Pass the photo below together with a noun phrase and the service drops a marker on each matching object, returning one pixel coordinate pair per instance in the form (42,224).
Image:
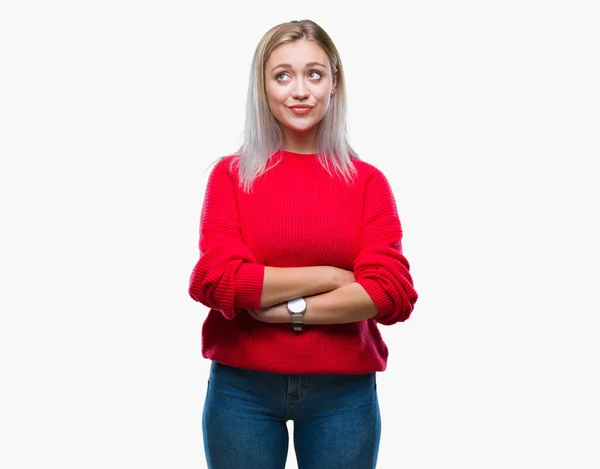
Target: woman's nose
(300,90)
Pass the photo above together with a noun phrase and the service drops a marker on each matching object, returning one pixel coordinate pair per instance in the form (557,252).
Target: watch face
(297,306)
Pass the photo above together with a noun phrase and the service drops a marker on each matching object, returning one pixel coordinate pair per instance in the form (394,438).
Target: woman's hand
(277,314)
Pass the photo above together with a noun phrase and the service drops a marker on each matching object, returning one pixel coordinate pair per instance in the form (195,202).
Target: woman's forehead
(297,54)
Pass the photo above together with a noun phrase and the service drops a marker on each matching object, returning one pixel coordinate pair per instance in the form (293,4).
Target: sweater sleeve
(380,266)
(226,276)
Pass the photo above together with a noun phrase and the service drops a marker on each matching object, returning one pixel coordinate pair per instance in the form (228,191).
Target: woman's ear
(334,82)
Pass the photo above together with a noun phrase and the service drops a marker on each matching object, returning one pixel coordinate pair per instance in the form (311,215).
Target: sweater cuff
(249,285)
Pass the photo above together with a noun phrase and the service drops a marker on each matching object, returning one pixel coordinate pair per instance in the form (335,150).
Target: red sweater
(298,215)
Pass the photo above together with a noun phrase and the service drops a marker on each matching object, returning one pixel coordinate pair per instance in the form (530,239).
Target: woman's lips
(301,109)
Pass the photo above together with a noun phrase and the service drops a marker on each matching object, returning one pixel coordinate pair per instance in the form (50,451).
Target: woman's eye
(282,77)
(315,75)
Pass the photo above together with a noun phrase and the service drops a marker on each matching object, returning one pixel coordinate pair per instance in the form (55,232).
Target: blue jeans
(336,420)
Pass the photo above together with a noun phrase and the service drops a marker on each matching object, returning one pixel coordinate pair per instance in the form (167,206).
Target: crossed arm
(332,295)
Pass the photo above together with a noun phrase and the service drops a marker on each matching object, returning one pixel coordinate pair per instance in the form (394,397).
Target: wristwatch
(297,308)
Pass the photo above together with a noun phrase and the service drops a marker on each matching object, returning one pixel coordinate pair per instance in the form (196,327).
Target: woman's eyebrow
(312,64)
(308,65)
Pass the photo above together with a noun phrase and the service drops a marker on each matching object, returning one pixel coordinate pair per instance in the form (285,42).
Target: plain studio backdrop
(483,115)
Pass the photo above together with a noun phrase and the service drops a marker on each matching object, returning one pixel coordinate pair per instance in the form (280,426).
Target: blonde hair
(262,134)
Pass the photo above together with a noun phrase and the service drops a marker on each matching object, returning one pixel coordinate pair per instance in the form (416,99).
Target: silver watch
(297,308)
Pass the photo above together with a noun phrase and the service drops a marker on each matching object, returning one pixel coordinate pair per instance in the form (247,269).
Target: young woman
(300,260)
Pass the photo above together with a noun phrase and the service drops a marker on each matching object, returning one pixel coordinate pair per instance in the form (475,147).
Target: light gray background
(484,116)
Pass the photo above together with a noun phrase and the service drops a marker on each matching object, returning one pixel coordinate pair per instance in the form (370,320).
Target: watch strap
(297,322)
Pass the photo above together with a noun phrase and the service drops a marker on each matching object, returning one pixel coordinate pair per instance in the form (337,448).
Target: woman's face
(298,84)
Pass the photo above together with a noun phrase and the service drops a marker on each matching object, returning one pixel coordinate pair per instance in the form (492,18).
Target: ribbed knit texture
(298,215)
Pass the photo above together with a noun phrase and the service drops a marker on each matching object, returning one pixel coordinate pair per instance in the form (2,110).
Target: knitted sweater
(297,214)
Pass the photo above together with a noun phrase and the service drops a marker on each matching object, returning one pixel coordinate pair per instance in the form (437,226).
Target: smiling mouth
(301,109)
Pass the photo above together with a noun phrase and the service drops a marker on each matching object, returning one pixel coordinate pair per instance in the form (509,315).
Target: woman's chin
(299,129)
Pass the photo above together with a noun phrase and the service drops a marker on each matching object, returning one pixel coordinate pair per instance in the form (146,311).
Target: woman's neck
(299,142)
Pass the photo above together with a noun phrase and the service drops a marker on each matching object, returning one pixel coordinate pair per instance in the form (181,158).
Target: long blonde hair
(262,134)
